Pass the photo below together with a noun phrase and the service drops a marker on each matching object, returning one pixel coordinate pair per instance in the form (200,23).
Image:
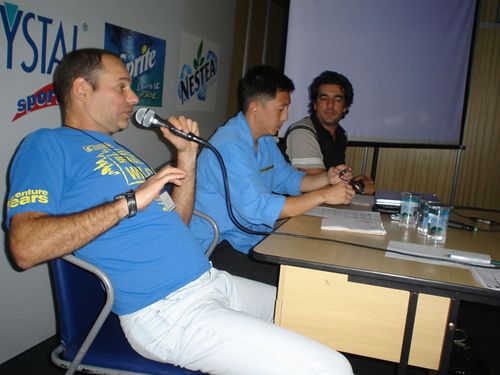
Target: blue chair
(91,337)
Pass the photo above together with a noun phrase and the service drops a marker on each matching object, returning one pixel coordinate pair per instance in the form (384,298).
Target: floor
(36,361)
(480,322)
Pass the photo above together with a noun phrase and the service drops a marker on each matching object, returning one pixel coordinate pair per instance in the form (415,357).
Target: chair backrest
(80,297)
(215,229)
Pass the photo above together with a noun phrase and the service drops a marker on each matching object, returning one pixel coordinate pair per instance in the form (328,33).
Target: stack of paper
(349,220)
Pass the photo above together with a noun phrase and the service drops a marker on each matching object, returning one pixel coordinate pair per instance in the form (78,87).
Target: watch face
(131,202)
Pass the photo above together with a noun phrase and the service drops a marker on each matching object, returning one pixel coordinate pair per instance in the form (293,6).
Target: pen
(484,221)
(467,259)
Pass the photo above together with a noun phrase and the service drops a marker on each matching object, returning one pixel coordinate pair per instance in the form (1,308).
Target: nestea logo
(195,82)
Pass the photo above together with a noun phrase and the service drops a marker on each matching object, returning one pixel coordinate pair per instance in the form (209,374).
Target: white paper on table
(349,220)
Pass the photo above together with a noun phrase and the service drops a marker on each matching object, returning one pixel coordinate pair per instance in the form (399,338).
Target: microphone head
(144,117)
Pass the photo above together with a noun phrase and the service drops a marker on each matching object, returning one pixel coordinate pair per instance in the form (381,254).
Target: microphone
(458,225)
(147,118)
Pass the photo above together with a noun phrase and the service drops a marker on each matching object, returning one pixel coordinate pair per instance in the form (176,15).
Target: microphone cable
(492,226)
(228,193)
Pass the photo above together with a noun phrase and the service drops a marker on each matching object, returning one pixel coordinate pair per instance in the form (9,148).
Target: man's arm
(369,184)
(35,237)
(341,193)
(183,195)
(312,171)
(303,149)
(311,182)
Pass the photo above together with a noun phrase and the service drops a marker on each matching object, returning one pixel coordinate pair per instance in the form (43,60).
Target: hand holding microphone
(182,144)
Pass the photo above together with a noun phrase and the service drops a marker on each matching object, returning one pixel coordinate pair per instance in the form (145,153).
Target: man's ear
(80,89)
(253,106)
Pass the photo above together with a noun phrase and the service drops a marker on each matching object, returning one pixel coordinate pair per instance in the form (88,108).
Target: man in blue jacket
(263,186)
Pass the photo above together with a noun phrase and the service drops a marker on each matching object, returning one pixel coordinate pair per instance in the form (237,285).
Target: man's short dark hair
(262,82)
(84,63)
(330,78)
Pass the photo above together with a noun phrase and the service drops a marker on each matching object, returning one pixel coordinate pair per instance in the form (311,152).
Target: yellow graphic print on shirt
(110,161)
(22,198)
(113,162)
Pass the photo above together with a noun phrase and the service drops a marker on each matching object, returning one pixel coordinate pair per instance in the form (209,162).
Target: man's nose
(284,116)
(133,98)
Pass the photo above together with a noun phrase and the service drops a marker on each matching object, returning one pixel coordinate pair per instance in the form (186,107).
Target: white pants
(221,324)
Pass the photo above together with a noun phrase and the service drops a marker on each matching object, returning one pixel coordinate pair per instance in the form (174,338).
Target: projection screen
(408,61)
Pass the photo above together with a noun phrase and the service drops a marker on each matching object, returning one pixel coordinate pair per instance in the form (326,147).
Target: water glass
(423,216)
(437,225)
(408,211)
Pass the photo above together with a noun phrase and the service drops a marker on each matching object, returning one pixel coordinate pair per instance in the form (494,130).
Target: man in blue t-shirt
(263,186)
(74,189)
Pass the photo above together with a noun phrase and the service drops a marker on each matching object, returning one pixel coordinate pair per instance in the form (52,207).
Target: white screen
(406,59)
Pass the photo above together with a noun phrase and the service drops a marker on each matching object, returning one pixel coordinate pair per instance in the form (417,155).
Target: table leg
(448,337)
(410,322)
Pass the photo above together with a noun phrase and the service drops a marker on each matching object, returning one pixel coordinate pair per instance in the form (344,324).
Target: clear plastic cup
(423,216)
(437,225)
(408,212)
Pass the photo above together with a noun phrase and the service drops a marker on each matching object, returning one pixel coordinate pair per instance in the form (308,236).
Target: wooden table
(341,289)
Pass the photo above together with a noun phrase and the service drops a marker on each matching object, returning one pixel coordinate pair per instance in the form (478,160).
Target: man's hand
(153,186)
(339,173)
(185,125)
(186,161)
(339,193)
(369,188)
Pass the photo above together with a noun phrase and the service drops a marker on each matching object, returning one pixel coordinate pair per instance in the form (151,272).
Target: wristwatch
(131,202)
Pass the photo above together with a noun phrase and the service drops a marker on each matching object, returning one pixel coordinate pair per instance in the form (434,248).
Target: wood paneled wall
(267,21)
(479,180)
(410,169)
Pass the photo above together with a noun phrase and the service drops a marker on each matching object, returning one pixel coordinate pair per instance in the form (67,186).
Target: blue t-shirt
(63,171)
(257,178)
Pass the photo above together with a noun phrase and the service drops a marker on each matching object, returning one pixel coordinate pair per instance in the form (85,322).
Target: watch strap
(131,202)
